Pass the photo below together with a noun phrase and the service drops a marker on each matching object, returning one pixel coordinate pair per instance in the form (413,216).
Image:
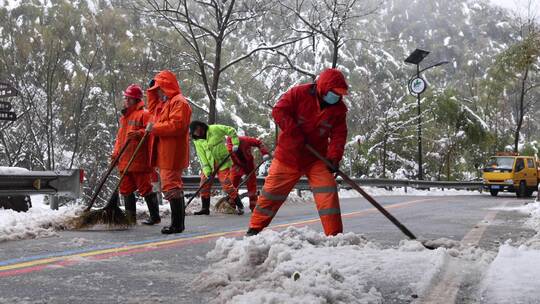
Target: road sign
(5,106)
(6,90)
(11,116)
(417,85)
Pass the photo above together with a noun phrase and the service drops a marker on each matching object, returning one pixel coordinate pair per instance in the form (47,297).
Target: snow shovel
(210,179)
(368,197)
(111,214)
(226,198)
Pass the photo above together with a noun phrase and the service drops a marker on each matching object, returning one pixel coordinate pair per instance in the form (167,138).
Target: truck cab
(511,173)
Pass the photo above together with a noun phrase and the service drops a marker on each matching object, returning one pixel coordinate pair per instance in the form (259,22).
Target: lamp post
(417,85)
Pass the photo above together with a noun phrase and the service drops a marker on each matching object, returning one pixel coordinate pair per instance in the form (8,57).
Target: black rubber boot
(178,215)
(131,208)
(252,232)
(205,210)
(239,205)
(153,208)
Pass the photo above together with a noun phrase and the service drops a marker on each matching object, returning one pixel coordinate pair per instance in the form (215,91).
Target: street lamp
(417,85)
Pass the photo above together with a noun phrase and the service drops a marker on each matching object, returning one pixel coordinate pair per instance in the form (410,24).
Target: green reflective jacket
(212,150)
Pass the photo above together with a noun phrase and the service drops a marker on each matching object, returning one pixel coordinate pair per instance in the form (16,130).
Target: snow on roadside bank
(38,221)
(375,191)
(299,265)
(513,275)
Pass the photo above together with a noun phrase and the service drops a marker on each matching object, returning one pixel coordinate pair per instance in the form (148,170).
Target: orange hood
(166,80)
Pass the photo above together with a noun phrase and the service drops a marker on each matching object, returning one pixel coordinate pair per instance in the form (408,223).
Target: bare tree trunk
(521,110)
(78,114)
(384,157)
(216,73)
(335,53)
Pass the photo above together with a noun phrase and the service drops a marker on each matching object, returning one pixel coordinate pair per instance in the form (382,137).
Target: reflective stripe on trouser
(136,181)
(280,181)
(224,177)
(277,185)
(324,188)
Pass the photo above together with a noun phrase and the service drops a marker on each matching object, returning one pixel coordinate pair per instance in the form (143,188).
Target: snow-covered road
(493,256)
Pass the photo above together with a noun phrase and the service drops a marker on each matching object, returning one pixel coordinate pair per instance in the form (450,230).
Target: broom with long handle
(111,214)
(243,182)
(210,179)
(105,176)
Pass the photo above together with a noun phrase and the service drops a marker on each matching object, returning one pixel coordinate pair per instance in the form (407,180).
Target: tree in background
(209,29)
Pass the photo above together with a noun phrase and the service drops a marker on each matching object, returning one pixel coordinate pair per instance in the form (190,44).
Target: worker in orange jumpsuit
(135,118)
(169,142)
(313,114)
(244,164)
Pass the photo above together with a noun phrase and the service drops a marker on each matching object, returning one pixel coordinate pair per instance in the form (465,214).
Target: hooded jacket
(170,134)
(212,149)
(133,118)
(244,157)
(302,120)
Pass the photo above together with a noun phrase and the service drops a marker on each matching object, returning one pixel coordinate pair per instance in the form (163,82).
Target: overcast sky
(513,4)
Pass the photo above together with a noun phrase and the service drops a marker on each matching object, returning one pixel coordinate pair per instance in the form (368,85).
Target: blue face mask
(331,97)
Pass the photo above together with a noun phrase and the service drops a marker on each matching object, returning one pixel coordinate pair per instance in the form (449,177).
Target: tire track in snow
(446,290)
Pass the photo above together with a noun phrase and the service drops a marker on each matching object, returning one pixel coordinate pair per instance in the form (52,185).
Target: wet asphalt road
(163,272)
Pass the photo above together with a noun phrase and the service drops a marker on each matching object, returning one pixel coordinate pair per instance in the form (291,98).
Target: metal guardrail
(62,183)
(191,183)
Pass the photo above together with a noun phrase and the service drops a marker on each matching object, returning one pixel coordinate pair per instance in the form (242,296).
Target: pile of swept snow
(304,266)
(38,221)
(513,277)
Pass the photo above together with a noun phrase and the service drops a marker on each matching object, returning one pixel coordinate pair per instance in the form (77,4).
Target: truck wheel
(493,192)
(522,190)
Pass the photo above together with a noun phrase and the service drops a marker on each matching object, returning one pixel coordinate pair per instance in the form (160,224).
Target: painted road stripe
(446,291)
(36,263)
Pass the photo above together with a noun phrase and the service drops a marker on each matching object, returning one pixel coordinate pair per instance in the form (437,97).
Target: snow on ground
(375,191)
(38,221)
(299,265)
(513,275)
(41,221)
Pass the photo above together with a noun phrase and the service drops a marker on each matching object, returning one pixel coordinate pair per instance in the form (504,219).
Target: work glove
(135,135)
(335,165)
(266,157)
(149,127)
(235,148)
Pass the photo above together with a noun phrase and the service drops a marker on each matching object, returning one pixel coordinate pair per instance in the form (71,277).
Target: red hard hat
(134,91)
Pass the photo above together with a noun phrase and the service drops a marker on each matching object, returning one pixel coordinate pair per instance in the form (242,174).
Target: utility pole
(417,85)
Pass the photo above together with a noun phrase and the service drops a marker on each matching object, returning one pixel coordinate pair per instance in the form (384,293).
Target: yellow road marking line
(206,236)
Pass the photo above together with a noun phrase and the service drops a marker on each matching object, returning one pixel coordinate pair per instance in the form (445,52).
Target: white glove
(235,148)
(266,157)
(149,127)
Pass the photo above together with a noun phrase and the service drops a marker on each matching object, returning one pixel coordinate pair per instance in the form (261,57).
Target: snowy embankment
(513,277)
(38,221)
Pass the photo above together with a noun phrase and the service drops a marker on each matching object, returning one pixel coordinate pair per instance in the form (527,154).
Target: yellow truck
(512,173)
